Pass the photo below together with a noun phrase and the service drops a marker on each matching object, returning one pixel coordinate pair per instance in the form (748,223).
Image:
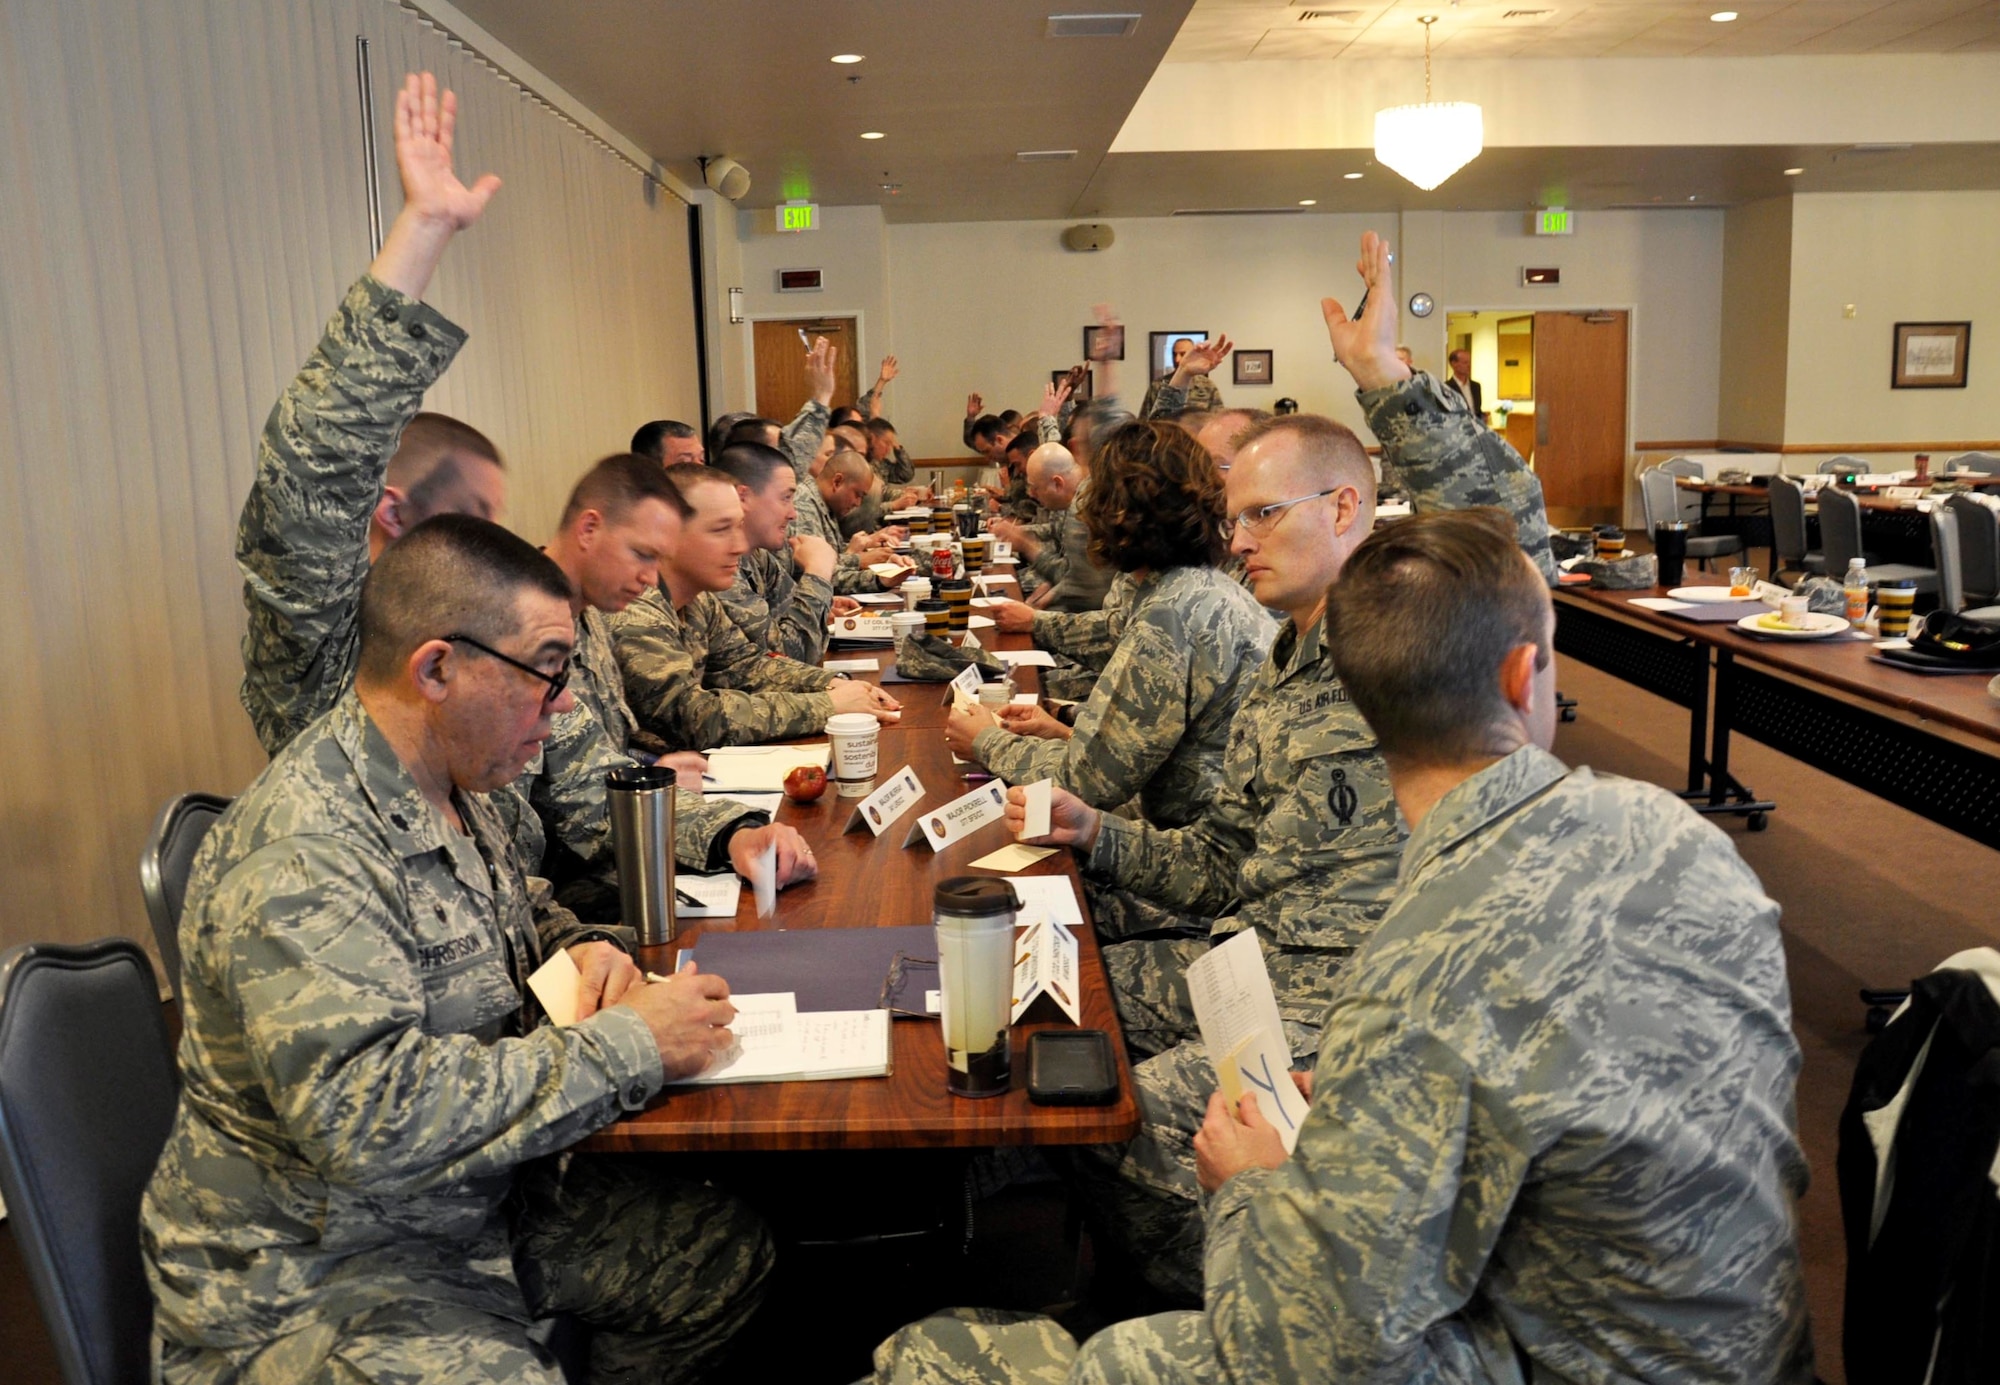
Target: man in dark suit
(1461,380)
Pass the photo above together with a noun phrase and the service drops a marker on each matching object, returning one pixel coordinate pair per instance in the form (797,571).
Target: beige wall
(1756,321)
(1901,257)
(851,251)
(183,207)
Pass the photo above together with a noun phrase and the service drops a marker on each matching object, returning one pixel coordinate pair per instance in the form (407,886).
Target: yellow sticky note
(558,985)
(1009,859)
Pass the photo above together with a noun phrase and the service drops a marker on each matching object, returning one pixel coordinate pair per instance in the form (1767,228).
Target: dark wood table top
(1958,702)
(867,882)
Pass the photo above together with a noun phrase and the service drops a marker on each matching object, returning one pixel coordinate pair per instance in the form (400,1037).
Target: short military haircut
(851,436)
(880,427)
(718,431)
(846,413)
(1424,613)
(429,454)
(617,483)
(847,465)
(1022,443)
(752,464)
(450,575)
(690,477)
(749,429)
(651,439)
(1010,415)
(987,426)
(1330,449)
(1155,500)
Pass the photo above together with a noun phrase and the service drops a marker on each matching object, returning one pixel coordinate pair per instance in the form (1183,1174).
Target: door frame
(1631,311)
(862,379)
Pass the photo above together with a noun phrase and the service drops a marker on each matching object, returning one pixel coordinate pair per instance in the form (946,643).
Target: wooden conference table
(867,882)
(1929,743)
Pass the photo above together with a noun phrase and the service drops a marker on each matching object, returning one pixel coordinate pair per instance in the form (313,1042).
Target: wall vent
(1044,156)
(1092,25)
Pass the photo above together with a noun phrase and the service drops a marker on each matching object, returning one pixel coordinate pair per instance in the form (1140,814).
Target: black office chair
(1788,529)
(87,1094)
(164,863)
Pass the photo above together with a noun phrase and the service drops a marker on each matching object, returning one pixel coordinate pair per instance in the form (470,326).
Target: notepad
(718,895)
(760,768)
(776,1043)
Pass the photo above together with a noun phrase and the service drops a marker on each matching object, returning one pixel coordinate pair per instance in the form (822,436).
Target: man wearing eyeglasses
(368,1176)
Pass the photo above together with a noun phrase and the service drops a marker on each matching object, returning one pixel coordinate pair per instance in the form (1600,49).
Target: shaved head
(849,468)
(451,575)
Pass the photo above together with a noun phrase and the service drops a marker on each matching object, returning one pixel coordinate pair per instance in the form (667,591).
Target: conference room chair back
(1840,541)
(1975,461)
(1950,561)
(164,863)
(1978,546)
(1788,527)
(1662,500)
(1835,466)
(87,1094)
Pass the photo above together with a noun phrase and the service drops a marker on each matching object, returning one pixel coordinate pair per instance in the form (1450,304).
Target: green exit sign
(798,216)
(1555,221)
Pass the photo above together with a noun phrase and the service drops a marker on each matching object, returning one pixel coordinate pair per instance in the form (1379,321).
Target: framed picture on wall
(1160,350)
(1252,367)
(1104,343)
(1084,391)
(1930,355)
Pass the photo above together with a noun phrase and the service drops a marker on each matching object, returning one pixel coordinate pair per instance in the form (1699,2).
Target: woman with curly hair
(1157,723)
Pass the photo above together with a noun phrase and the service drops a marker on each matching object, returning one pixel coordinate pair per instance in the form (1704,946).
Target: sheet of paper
(774,1043)
(764,881)
(1009,859)
(1040,802)
(843,1041)
(1025,658)
(961,817)
(1264,1069)
(718,894)
(759,768)
(557,984)
(1662,603)
(1047,899)
(852,666)
(894,599)
(1231,991)
(1027,700)
(886,570)
(765,1028)
(762,801)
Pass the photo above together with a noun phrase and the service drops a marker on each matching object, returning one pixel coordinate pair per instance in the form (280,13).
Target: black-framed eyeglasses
(557,681)
(1265,518)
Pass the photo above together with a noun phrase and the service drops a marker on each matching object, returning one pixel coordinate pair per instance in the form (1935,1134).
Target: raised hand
(1367,346)
(1054,396)
(436,205)
(888,372)
(974,405)
(1103,346)
(820,361)
(1203,357)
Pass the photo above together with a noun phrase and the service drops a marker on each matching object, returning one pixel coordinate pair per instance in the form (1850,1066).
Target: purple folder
(824,968)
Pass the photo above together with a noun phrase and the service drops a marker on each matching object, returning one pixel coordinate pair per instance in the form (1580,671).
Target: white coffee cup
(903,624)
(915,589)
(1792,611)
(856,737)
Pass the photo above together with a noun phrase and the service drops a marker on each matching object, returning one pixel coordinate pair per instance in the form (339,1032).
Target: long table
(1929,743)
(866,882)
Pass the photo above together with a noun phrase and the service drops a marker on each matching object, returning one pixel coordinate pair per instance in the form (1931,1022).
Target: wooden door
(781,363)
(1580,451)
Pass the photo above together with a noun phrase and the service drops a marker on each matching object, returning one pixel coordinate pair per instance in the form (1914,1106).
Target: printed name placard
(961,817)
(1001,549)
(887,803)
(965,687)
(861,628)
(1045,967)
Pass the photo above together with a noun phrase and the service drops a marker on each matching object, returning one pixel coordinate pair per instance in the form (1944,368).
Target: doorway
(780,362)
(1554,386)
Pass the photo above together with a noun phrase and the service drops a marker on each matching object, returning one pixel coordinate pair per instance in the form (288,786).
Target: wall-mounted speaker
(1088,236)
(725,176)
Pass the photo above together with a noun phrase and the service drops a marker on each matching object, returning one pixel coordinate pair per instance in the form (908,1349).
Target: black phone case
(1071,1067)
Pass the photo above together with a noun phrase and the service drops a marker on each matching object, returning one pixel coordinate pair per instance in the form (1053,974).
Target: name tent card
(965,686)
(961,817)
(895,798)
(1045,969)
(862,628)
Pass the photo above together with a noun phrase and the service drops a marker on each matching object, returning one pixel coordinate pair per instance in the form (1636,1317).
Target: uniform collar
(1295,653)
(412,825)
(1487,796)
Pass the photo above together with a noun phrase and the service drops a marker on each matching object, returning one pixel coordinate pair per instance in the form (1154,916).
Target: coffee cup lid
(850,724)
(976,896)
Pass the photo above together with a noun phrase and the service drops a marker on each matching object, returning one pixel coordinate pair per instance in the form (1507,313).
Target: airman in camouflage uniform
(366,1165)
(1163,396)
(800,440)
(1551,1134)
(1156,725)
(1082,641)
(776,611)
(695,681)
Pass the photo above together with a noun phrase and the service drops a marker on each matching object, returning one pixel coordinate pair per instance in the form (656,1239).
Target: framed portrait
(1930,355)
(1085,390)
(1160,350)
(1110,339)
(1252,367)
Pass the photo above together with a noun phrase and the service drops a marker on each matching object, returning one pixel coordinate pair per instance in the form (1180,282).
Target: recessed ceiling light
(1723,16)
(848,57)
(1692,197)
(1350,177)
(1308,201)
(872,134)
(1793,172)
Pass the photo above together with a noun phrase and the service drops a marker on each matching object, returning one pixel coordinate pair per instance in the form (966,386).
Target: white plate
(1817,627)
(1714,594)
(979,622)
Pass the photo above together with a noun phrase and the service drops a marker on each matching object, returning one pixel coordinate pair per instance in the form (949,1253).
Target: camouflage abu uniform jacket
(1163,397)
(800,440)
(1158,721)
(1552,1116)
(302,544)
(777,612)
(362,1069)
(694,680)
(1082,583)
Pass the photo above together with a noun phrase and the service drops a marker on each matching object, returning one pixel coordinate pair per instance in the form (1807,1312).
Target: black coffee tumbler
(1670,547)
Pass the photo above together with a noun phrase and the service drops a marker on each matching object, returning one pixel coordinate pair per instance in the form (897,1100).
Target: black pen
(684,897)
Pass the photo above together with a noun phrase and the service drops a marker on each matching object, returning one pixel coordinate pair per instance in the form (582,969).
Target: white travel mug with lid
(974,915)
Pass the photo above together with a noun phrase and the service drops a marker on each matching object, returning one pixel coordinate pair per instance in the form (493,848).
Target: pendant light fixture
(1428,143)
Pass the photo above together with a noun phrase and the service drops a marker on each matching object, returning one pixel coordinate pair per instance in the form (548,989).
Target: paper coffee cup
(915,589)
(856,737)
(903,624)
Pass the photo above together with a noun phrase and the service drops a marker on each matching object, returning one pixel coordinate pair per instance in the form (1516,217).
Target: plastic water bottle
(1855,585)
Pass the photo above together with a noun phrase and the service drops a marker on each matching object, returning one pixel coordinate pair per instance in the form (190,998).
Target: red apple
(806,783)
